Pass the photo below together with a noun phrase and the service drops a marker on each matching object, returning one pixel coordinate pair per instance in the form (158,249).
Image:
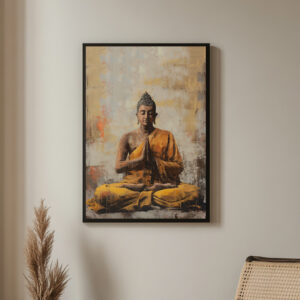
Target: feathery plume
(44,282)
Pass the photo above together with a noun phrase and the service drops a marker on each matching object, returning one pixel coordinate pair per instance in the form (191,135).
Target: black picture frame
(206,205)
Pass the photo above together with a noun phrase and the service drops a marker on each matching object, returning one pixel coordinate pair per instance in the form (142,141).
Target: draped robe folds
(131,193)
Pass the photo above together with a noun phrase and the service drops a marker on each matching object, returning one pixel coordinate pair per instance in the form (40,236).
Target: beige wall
(255,145)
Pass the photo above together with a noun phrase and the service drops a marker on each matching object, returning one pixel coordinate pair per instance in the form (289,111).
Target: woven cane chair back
(269,279)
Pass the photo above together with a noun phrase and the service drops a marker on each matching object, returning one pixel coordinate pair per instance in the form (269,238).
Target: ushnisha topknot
(146,100)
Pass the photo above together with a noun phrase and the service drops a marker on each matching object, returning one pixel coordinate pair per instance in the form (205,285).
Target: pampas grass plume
(45,281)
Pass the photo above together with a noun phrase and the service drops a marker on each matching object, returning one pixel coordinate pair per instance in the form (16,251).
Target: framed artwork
(146,132)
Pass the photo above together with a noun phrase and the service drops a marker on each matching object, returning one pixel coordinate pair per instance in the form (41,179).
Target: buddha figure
(151,163)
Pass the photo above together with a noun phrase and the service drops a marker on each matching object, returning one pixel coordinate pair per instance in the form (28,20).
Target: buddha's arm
(170,164)
(123,165)
(169,167)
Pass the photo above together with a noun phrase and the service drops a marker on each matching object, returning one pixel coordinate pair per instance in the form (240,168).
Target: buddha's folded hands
(160,186)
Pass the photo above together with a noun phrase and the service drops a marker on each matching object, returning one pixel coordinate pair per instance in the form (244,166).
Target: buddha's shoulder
(163,132)
(129,135)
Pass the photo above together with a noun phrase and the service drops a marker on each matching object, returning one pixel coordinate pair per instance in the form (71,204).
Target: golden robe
(165,168)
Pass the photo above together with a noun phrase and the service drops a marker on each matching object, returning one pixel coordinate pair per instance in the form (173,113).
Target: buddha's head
(146,110)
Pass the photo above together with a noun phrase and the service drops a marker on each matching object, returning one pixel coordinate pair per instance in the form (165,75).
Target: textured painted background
(116,77)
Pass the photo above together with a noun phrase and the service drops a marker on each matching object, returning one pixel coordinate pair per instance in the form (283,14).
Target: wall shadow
(12,149)
(215,135)
(96,271)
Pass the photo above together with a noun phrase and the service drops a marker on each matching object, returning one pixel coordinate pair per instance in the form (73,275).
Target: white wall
(255,145)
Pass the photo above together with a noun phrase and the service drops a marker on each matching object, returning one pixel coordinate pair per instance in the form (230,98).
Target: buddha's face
(146,115)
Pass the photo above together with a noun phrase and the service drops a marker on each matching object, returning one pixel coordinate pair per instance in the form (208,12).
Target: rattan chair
(265,278)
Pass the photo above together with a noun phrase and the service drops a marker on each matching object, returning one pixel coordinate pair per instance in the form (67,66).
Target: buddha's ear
(155,117)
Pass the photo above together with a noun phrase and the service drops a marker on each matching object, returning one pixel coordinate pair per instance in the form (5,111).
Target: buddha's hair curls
(146,100)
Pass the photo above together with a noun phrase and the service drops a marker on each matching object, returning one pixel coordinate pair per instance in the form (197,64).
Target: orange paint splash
(94,173)
(102,121)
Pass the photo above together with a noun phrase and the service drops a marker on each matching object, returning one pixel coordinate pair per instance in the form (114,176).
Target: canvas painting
(146,132)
